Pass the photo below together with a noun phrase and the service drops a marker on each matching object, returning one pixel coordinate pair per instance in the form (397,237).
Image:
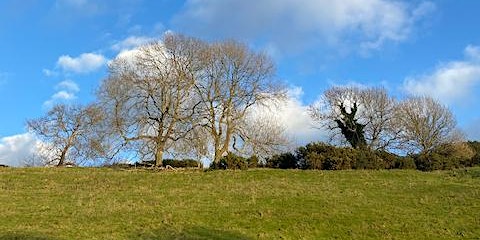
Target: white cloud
(293,115)
(68,85)
(290,24)
(14,150)
(85,63)
(49,73)
(63,95)
(472,52)
(131,42)
(451,82)
(66,91)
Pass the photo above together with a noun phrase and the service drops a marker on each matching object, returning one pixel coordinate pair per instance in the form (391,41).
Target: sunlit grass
(91,203)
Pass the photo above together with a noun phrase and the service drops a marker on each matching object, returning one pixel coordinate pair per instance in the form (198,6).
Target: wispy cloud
(85,63)
(452,82)
(68,85)
(49,73)
(66,91)
(131,42)
(291,25)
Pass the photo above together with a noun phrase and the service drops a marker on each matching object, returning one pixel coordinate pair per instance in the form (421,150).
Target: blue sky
(57,51)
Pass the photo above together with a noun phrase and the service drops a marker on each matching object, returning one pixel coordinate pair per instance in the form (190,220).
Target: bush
(253,162)
(184,163)
(327,157)
(230,161)
(390,160)
(446,157)
(366,159)
(284,161)
(434,161)
(475,147)
(405,163)
(323,156)
(313,160)
(430,162)
(336,163)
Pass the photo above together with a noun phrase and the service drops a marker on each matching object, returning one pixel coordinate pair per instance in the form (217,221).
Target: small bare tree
(425,123)
(66,131)
(263,135)
(149,96)
(233,80)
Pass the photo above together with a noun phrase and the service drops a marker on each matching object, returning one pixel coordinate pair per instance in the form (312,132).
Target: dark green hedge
(322,156)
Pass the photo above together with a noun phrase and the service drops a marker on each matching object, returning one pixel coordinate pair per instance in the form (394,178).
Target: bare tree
(66,132)
(264,135)
(232,80)
(378,111)
(149,96)
(425,123)
(364,117)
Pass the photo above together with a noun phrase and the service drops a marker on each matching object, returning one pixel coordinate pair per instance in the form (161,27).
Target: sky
(57,51)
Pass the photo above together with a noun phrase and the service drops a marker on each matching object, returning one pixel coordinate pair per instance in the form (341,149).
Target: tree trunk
(61,161)
(218,156)
(159,157)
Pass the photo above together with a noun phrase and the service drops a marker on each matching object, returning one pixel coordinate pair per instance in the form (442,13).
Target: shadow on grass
(22,236)
(191,233)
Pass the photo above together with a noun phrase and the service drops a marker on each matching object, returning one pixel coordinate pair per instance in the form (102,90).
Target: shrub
(184,163)
(429,162)
(284,161)
(366,159)
(336,163)
(475,147)
(327,157)
(231,161)
(322,156)
(407,162)
(390,160)
(253,162)
(446,157)
(313,160)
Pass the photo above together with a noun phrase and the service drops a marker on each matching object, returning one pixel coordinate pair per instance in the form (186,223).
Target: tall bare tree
(233,80)
(67,133)
(364,117)
(425,123)
(149,96)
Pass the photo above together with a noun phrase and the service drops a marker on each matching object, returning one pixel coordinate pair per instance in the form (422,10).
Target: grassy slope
(265,204)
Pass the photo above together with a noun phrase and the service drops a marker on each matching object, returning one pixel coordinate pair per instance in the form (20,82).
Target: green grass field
(90,203)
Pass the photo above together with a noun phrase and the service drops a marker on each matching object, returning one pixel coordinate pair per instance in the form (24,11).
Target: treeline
(322,156)
(180,96)
(203,100)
